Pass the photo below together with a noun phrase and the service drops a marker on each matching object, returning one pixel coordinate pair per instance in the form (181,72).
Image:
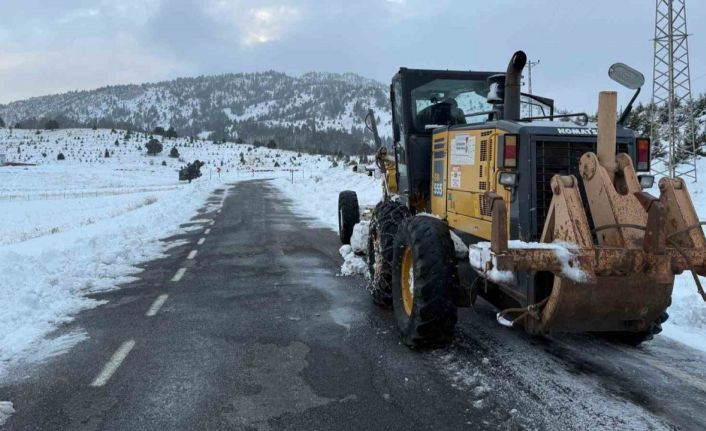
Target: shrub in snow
(60,156)
(174,153)
(191,171)
(106,154)
(154,147)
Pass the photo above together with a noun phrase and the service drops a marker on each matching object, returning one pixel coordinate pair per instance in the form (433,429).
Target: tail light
(507,151)
(642,162)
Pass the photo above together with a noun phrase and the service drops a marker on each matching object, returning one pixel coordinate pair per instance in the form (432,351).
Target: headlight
(646,181)
(508,179)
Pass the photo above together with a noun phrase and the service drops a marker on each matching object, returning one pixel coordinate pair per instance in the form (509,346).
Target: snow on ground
(6,410)
(79,226)
(314,192)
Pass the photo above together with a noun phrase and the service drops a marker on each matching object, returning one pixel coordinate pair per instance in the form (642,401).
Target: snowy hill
(317,111)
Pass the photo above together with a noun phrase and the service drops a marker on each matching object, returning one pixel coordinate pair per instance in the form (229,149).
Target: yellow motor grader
(487,191)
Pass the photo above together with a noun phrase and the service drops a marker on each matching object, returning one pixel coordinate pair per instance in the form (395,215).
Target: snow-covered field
(79,226)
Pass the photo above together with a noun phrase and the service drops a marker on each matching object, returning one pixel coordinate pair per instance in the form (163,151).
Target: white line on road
(192,254)
(218,212)
(113,364)
(207,231)
(201,241)
(213,222)
(156,305)
(180,273)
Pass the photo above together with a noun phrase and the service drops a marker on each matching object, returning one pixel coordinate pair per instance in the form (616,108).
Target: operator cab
(424,100)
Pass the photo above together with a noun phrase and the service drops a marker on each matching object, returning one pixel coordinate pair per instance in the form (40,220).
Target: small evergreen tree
(106,154)
(191,171)
(174,153)
(154,147)
(60,157)
(171,133)
(158,131)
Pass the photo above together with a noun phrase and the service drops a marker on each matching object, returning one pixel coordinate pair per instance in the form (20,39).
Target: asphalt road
(255,330)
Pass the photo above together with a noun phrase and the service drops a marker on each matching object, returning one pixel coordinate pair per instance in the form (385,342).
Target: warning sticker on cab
(455,177)
(463,150)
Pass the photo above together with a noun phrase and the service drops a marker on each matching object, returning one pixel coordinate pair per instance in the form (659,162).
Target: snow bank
(352,263)
(359,238)
(6,410)
(44,280)
(314,191)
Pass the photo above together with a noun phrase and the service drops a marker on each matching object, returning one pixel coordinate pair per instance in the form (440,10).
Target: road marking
(218,212)
(207,231)
(201,241)
(192,254)
(180,273)
(113,364)
(156,305)
(213,222)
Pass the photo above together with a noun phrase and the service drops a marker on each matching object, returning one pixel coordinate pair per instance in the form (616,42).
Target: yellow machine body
(463,171)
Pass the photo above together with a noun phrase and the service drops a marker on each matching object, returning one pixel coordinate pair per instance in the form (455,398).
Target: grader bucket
(616,277)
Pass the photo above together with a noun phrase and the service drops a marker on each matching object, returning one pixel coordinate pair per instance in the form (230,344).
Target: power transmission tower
(530,65)
(671,92)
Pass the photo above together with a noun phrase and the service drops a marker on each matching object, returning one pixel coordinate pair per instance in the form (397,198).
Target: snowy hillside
(248,106)
(81,225)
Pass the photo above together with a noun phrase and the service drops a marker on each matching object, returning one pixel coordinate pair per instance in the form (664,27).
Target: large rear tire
(424,280)
(348,215)
(383,227)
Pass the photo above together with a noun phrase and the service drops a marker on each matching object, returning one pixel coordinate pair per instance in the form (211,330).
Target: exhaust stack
(513,84)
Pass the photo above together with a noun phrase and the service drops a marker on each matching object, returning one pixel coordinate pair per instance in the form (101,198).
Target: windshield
(531,107)
(444,102)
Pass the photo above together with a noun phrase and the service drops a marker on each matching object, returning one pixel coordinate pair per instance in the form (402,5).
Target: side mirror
(369,118)
(626,76)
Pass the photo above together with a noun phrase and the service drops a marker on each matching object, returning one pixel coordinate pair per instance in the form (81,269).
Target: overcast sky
(49,46)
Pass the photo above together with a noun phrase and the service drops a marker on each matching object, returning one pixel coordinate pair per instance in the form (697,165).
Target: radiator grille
(484,205)
(484,150)
(559,158)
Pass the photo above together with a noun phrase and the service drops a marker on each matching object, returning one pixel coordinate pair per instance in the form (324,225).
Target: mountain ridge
(318,111)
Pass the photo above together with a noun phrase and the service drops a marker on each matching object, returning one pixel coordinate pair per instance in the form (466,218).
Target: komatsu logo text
(581,132)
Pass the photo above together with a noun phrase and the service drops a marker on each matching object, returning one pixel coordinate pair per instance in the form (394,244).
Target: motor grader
(488,192)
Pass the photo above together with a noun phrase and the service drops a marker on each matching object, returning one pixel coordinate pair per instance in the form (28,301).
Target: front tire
(383,227)
(424,280)
(348,215)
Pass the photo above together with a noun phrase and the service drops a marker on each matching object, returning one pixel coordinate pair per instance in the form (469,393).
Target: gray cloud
(48,46)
